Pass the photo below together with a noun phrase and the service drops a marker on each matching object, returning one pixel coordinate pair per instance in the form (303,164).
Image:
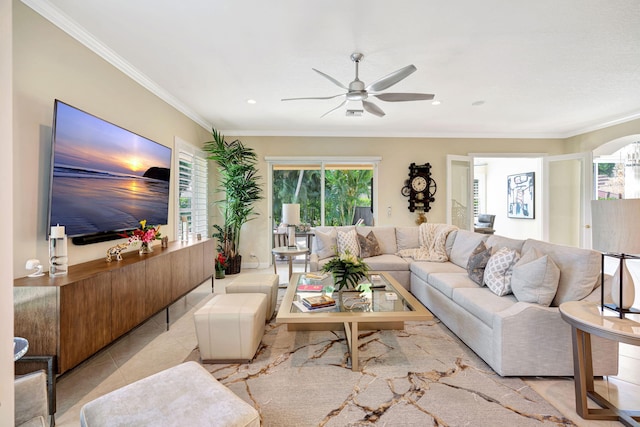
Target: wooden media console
(74,316)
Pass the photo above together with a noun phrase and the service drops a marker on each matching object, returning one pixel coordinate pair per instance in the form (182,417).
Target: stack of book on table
(313,303)
(312,282)
(319,301)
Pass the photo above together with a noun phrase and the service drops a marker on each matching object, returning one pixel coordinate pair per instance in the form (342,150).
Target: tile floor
(150,348)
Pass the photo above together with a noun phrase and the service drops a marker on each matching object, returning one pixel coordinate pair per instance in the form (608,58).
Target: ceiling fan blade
(372,108)
(398,97)
(334,109)
(391,79)
(328,77)
(315,97)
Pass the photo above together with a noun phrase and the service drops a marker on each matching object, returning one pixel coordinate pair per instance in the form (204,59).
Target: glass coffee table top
(382,297)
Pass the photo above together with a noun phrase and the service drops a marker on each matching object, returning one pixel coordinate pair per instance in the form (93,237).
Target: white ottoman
(230,327)
(261,283)
(185,395)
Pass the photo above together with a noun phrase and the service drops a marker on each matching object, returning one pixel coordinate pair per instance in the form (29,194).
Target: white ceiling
(545,68)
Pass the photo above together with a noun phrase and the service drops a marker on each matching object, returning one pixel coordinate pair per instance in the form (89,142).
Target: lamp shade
(291,213)
(616,226)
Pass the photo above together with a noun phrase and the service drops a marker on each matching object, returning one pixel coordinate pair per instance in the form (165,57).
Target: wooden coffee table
(382,313)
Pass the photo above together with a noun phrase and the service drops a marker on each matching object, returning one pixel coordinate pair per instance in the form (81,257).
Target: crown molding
(54,15)
(603,125)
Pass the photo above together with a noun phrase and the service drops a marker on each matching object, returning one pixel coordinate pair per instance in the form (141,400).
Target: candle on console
(57,231)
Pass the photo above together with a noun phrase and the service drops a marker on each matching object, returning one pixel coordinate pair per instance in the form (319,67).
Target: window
(331,191)
(191,188)
(476,198)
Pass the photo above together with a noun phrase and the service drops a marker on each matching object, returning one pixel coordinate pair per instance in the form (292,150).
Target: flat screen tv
(104,179)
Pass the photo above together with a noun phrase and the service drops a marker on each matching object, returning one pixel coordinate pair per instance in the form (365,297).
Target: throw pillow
(535,279)
(348,241)
(497,274)
(326,243)
(477,262)
(368,245)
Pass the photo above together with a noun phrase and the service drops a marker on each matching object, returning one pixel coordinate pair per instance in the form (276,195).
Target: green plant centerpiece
(240,183)
(347,270)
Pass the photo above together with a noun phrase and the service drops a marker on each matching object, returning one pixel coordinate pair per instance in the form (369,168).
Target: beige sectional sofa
(515,337)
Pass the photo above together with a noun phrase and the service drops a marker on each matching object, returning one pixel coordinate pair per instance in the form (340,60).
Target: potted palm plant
(239,181)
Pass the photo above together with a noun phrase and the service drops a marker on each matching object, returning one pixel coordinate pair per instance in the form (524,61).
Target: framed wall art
(521,190)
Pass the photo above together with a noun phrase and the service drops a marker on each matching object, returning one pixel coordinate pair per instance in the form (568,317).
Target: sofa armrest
(522,329)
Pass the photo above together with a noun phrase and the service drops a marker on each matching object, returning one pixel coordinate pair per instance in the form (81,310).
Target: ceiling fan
(358,92)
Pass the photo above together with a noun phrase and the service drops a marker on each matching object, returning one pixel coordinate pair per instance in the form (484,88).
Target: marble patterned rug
(421,376)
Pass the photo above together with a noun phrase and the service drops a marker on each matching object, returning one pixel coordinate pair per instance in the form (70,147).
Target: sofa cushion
(466,241)
(497,274)
(477,263)
(386,262)
(407,238)
(448,282)
(423,269)
(348,242)
(482,303)
(368,245)
(326,242)
(579,269)
(498,242)
(386,237)
(535,278)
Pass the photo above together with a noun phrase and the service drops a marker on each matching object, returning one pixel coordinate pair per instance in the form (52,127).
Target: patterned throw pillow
(368,245)
(477,262)
(348,241)
(497,273)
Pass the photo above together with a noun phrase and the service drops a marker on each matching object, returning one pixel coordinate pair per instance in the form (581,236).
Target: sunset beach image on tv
(105,178)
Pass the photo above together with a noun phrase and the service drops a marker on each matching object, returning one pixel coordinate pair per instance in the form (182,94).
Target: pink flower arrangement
(145,233)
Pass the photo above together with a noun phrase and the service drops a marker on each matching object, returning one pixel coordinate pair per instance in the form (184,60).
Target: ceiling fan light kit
(358,92)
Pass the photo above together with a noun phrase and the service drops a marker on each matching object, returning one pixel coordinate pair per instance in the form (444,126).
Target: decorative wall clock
(419,188)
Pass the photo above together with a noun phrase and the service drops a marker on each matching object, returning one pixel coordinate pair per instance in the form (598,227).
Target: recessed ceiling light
(251,101)
(477,103)
(436,103)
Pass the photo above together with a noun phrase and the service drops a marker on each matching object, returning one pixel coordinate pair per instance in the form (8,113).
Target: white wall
(496,172)
(6,217)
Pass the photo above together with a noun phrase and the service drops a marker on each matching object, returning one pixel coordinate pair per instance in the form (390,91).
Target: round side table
(586,319)
(289,252)
(20,347)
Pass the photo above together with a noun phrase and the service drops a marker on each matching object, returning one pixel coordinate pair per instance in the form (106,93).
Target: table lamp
(291,217)
(616,232)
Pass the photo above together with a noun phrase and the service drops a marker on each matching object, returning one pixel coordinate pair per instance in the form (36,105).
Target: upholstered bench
(230,327)
(261,283)
(185,395)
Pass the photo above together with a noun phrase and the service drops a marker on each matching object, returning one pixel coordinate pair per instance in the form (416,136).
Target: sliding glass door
(298,183)
(329,192)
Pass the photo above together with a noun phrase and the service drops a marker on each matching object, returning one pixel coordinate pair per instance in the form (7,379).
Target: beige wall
(49,64)
(6,218)
(396,153)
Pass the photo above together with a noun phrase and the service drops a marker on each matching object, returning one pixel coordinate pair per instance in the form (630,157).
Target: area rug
(421,376)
